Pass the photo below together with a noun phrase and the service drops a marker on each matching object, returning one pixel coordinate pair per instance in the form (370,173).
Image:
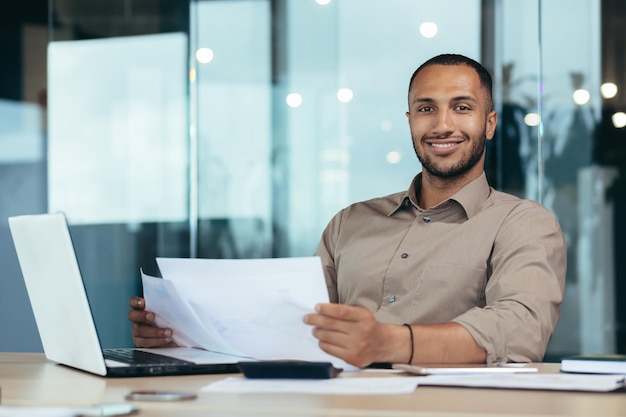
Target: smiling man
(449,271)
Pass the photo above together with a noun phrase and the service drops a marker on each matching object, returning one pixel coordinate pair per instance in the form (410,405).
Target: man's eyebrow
(454,99)
(423,100)
(465,98)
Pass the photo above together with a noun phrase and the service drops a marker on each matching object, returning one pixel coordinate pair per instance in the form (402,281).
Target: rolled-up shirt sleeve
(524,290)
(325,251)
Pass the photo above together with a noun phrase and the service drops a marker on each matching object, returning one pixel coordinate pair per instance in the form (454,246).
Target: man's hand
(145,332)
(353,334)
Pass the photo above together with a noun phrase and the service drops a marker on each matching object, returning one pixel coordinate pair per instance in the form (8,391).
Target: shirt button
(427,219)
(404,255)
(391,298)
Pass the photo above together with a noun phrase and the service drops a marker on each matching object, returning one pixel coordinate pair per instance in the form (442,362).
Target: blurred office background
(237,128)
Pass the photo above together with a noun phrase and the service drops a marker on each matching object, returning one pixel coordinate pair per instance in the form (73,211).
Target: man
(450,271)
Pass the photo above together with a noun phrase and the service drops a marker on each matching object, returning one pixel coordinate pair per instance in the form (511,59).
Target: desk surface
(28,379)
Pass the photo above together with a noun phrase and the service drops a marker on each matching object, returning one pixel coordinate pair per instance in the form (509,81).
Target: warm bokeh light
(294,100)
(581,96)
(344,95)
(428,29)
(608,90)
(619,119)
(532,119)
(393,157)
(204,55)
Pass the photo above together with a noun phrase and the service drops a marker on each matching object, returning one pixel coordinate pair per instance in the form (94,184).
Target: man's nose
(444,122)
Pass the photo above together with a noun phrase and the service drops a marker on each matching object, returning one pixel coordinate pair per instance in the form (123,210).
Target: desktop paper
(249,307)
(344,385)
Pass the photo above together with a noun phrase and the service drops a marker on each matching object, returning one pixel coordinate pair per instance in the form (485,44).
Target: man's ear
(490,127)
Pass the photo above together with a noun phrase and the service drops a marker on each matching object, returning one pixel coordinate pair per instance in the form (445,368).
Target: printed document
(251,308)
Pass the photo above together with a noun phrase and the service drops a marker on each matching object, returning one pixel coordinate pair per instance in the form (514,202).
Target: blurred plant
(509,84)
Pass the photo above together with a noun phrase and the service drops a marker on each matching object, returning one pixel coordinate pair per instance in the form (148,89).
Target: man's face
(450,121)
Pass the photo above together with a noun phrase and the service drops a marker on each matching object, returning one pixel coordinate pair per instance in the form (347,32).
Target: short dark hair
(456,59)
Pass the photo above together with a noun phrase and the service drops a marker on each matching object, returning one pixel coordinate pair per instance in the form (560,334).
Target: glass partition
(296,123)
(233,80)
(118,144)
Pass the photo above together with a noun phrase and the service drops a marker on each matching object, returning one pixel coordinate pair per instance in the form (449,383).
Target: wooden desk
(28,379)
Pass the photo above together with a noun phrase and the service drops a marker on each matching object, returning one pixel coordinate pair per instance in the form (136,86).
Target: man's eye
(425,109)
(462,108)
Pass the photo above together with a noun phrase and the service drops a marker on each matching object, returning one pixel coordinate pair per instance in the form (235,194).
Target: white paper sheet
(96,410)
(467,369)
(250,307)
(175,312)
(26,411)
(344,385)
(202,268)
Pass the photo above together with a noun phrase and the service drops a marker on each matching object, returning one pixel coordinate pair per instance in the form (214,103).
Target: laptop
(63,316)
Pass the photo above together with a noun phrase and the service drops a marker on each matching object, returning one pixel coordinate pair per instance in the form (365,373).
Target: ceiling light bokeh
(293,100)
(204,55)
(345,95)
(532,119)
(619,119)
(393,157)
(581,96)
(608,90)
(428,29)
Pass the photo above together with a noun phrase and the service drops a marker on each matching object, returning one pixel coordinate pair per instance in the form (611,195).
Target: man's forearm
(435,343)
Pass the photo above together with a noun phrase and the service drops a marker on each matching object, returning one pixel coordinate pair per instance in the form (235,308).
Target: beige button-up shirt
(487,260)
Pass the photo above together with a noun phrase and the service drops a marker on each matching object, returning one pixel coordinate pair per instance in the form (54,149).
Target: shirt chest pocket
(444,291)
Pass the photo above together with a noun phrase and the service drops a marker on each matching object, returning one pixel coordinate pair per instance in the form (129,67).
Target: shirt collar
(471,197)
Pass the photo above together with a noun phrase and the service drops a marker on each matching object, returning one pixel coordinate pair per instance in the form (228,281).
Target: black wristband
(408,326)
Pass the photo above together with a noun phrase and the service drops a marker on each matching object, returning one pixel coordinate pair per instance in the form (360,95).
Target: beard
(457,170)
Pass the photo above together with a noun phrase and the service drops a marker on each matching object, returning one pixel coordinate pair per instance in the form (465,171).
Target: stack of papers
(539,381)
(250,308)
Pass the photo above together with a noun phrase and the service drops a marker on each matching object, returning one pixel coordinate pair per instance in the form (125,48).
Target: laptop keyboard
(140,357)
